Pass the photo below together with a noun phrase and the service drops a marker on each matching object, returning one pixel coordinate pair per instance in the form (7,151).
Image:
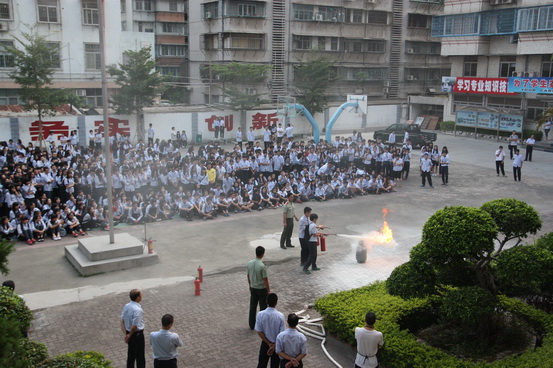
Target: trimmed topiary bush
(447,126)
(78,359)
(13,307)
(35,352)
(343,311)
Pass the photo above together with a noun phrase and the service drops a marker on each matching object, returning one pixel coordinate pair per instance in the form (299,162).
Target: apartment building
(498,39)
(381,48)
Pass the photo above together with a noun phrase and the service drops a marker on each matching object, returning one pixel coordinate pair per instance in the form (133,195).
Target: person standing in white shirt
(547,128)
(269,323)
(251,137)
(444,167)
(500,161)
(513,143)
(529,148)
(369,341)
(426,167)
(517,165)
(165,343)
(289,131)
(151,134)
(239,137)
(132,325)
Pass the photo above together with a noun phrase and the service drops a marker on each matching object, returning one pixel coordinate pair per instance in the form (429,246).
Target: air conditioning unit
(4,27)
(81,92)
(319,17)
(410,77)
(371,1)
(208,15)
(410,51)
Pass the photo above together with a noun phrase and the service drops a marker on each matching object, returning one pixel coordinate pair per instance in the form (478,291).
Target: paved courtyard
(76,313)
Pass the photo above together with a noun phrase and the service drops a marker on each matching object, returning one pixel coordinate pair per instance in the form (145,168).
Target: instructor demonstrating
(288,217)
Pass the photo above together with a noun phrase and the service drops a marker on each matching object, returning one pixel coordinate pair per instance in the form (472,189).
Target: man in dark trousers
(258,282)
(288,217)
(165,343)
(269,324)
(291,345)
(132,325)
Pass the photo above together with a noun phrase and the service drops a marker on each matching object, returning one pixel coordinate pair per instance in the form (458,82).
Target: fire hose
(315,334)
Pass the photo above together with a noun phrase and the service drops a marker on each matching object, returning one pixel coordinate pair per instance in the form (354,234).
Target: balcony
(171,17)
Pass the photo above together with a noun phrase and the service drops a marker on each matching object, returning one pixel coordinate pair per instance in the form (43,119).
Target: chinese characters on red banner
(497,86)
(260,121)
(115,126)
(56,127)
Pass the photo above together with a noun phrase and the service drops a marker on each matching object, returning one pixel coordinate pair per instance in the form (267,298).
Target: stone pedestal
(96,255)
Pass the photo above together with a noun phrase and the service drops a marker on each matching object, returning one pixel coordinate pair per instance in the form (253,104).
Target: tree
(312,80)
(235,77)
(6,248)
(139,84)
(34,65)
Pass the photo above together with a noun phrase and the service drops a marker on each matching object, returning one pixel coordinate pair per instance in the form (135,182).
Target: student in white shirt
(239,137)
(500,161)
(426,167)
(444,167)
(529,148)
(517,165)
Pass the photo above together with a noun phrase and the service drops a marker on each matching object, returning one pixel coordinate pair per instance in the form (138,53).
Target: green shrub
(343,311)
(538,134)
(12,306)
(545,241)
(35,352)
(78,359)
(447,126)
(6,248)
(460,304)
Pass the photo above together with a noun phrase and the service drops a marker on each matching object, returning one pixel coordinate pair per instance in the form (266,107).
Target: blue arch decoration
(335,117)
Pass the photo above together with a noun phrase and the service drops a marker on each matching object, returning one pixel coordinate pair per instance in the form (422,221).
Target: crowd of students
(62,190)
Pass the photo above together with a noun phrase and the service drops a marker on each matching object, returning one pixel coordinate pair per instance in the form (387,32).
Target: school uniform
(426,167)
(517,166)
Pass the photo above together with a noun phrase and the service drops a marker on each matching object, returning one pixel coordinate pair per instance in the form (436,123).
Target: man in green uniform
(259,284)
(288,217)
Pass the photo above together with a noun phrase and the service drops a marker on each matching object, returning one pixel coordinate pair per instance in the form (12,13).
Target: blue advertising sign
(530,85)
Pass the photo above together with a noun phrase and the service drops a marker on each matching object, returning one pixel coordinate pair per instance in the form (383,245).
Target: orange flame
(385,235)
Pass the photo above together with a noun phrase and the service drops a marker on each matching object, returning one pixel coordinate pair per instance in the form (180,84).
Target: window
(123,25)
(377,47)
(145,5)
(363,74)
(330,13)
(5,9)
(92,55)
(334,44)
(303,12)
(353,45)
(145,27)
(56,54)
(6,60)
(354,15)
(210,42)
(302,42)
(169,70)
(94,96)
(246,10)
(247,41)
(123,6)
(172,28)
(547,67)
(171,50)
(321,43)
(90,12)
(535,19)
(470,66)
(535,109)
(48,11)
(173,6)
(211,10)
(507,66)
(377,17)
(417,21)
(504,102)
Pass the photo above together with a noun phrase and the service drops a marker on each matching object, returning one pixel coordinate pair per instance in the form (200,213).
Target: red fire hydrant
(323,244)
(197,291)
(150,246)
(201,273)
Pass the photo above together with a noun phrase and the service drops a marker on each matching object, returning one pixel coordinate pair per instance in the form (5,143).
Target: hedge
(78,359)
(13,307)
(343,311)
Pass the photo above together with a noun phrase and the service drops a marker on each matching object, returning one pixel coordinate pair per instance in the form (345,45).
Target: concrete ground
(76,313)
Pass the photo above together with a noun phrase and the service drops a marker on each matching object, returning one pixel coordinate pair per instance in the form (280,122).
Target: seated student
(39,228)
(276,198)
(388,185)
(208,211)
(151,211)
(54,226)
(185,209)
(25,230)
(344,190)
(246,204)
(371,186)
(164,210)
(305,192)
(119,213)
(73,226)
(265,198)
(135,216)
(320,193)
(379,182)
(221,204)
(353,188)
(258,203)
(6,229)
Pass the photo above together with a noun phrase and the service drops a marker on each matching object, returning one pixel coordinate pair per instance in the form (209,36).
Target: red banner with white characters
(498,86)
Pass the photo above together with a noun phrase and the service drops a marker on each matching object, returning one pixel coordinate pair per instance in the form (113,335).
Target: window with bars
(302,42)
(92,56)
(169,70)
(246,41)
(144,5)
(354,15)
(248,10)
(303,12)
(353,45)
(507,66)
(418,21)
(48,11)
(175,28)
(90,12)
(377,47)
(334,44)
(547,67)
(5,9)
(6,60)
(171,50)
(55,56)
(504,102)
(363,74)
(321,43)
(377,17)
(173,6)
(535,19)
(211,10)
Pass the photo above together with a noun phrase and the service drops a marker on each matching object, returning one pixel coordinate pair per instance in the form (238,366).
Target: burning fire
(383,237)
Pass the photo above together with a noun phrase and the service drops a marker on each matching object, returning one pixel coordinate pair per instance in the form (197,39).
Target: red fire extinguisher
(197,289)
(150,246)
(201,273)
(323,244)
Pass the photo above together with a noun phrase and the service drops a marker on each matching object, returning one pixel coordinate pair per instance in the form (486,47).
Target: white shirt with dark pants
(164,345)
